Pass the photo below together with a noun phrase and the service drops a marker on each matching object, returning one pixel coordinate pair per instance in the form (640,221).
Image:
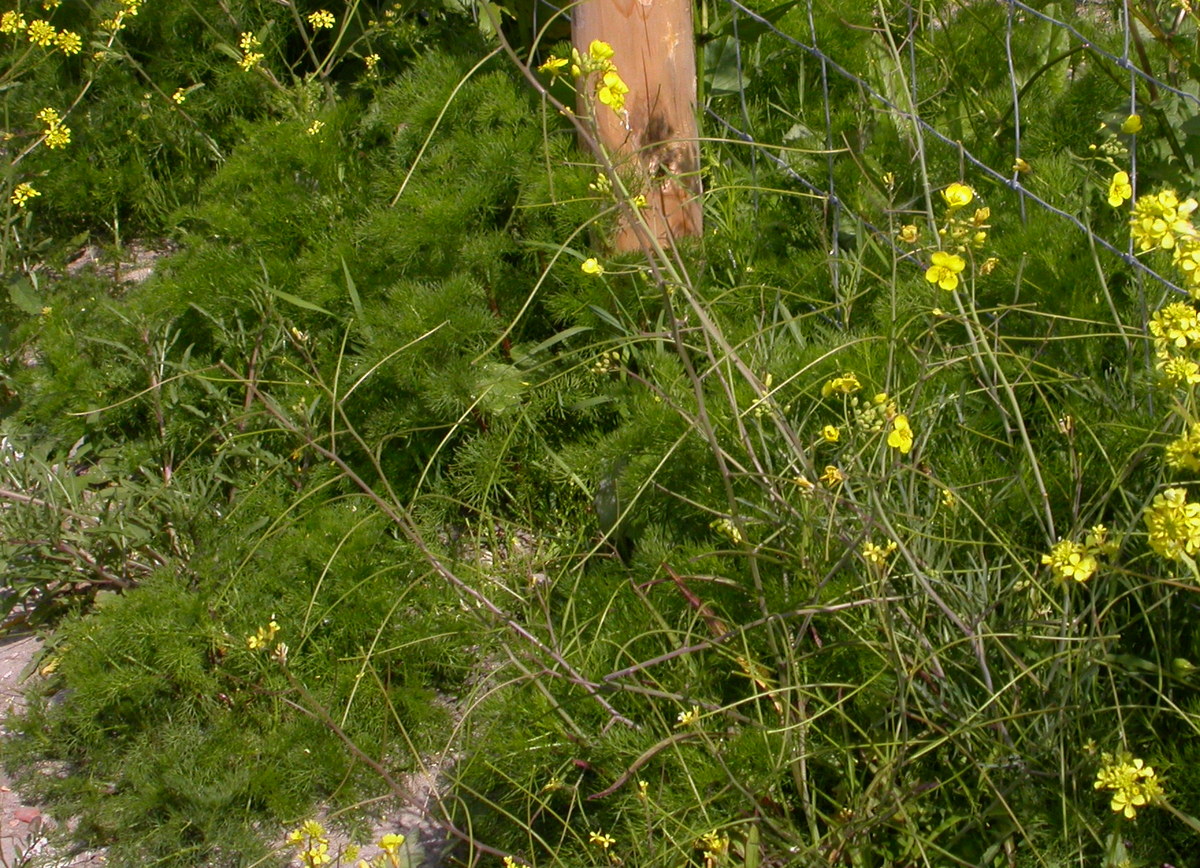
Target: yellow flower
(554,65)
(1021,167)
(180,95)
(831,434)
(1161,219)
(41,32)
(1180,372)
(314,128)
(22,193)
(1070,561)
(909,233)
(248,42)
(58,136)
(958,196)
(1132,125)
(12,22)
(901,436)
(372,61)
(321,20)
(600,51)
(1183,453)
(877,554)
(1173,524)
(945,270)
(250,60)
(592,266)
(311,828)
(391,844)
(599,838)
(688,718)
(68,43)
(1186,258)
(846,384)
(988,266)
(1119,189)
(1175,326)
(611,91)
(832,476)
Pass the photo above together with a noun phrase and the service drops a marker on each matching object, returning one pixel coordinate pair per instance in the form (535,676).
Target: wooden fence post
(656,134)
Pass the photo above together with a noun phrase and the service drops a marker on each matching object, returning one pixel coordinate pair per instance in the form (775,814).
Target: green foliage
(313,504)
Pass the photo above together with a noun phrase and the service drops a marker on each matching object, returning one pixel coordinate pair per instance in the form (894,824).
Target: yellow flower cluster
(876,554)
(12,22)
(263,637)
(322,20)
(128,10)
(68,43)
(1160,220)
(1183,453)
(873,415)
(1173,524)
(371,61)
(726,528)
(250,57)
(959,232)
(592,266)
(610,87)
(601,840)
(1176,326)
(1176,332)
(22,193)
(41,33)
(1133,783)
(311,843)
(715,847)
(1071,561)
(57,134)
